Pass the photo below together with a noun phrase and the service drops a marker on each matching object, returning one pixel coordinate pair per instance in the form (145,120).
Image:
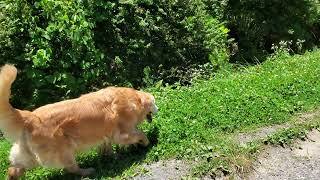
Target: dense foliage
(66,47)
(258,24)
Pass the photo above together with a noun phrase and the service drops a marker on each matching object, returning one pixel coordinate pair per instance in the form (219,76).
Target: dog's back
(87,120)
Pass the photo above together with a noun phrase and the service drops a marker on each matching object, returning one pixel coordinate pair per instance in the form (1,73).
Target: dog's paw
(107,153)
(144,143)
(15,172)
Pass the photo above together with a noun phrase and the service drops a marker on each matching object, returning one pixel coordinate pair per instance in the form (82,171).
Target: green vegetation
(66,48)
(198,122)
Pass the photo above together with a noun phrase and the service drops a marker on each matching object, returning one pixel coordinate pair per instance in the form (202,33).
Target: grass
(197,123)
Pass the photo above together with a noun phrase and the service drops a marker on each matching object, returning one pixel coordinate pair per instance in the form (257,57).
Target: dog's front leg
(105,149)
(132,138)
(143,140)
(69,162)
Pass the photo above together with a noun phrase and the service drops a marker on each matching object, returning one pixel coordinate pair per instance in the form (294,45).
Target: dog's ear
(148,102)
(145,101)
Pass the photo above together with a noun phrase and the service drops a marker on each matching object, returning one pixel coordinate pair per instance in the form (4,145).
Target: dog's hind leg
(70,164)
(21,159)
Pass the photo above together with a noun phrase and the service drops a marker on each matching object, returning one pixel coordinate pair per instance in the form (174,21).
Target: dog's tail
(11,122)
(7,75)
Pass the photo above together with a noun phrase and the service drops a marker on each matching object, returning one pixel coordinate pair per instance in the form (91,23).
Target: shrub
(65,48)
(258,24)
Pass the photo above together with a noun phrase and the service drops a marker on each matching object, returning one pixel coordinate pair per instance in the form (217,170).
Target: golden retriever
(51,135)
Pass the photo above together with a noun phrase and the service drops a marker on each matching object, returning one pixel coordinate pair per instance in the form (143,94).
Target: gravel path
(164,170)
(301,162)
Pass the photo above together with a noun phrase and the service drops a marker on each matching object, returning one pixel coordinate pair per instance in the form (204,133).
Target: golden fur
(52,134)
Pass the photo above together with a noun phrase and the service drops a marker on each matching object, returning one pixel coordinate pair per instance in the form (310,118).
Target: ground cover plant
(197,123)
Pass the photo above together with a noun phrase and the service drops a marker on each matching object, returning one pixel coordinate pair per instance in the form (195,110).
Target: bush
(258,24)
(65,48)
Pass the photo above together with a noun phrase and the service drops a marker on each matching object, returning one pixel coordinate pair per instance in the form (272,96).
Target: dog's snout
(155,110)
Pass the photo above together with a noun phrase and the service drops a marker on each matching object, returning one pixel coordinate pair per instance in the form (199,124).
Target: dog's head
(149,104)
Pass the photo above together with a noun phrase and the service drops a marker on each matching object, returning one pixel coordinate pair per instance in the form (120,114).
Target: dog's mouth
(149,117)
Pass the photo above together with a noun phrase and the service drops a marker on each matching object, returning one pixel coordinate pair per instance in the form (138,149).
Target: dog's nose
(154,110)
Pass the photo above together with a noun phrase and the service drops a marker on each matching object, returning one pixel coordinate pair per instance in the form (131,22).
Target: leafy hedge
(66,47)
(258,24)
